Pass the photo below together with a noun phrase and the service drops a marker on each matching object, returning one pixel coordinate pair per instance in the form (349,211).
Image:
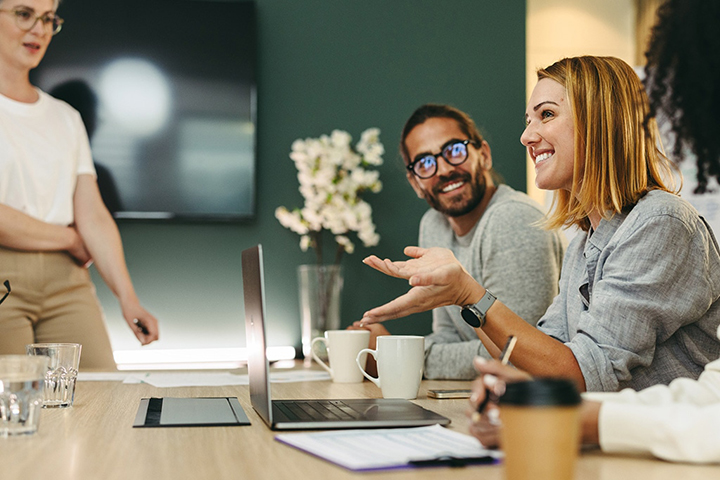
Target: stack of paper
(364,450)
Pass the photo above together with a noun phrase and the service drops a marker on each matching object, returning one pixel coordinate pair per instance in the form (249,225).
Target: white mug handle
(317,359)
(376,381)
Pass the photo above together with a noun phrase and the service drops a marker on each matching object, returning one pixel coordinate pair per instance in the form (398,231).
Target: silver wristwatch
(474,315)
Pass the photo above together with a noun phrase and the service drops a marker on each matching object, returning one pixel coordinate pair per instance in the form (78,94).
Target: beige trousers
(52,300)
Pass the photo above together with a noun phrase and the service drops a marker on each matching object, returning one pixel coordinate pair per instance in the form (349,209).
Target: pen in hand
(141,326)
(504,358)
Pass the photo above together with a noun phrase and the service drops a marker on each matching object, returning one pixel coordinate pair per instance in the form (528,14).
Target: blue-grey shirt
(638,302)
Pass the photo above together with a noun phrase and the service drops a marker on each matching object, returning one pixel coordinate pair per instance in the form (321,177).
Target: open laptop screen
(252,271)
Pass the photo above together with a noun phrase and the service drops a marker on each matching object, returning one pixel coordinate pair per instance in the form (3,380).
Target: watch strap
(474,315)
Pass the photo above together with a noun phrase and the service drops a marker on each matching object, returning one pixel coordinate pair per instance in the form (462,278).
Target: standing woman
(53,223)
(639,291)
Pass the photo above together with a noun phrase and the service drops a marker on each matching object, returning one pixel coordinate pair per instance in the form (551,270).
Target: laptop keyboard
(327,410)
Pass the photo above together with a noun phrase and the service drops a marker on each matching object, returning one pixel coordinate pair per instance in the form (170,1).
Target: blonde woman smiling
(638,302)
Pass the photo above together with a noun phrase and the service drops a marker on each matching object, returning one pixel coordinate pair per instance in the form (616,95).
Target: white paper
(203,378)
(106,377)
(386,448)
(291,376)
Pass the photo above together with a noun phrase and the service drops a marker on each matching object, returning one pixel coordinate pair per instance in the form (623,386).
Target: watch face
(470,317)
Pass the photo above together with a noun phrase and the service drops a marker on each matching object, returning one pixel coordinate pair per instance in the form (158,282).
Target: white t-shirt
(43,149)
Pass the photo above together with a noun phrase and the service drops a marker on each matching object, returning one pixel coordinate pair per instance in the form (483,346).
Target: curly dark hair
(683,80)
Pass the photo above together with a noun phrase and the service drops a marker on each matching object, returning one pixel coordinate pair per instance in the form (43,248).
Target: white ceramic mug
(400,360)
(343,347)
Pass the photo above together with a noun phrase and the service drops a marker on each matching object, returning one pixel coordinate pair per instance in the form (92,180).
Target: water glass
(21,393)
(61,373)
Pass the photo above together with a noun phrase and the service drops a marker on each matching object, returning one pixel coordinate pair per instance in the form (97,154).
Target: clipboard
(190,412)
(391,449)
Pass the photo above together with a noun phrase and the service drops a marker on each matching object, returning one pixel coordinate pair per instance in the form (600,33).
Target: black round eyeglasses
(454,152)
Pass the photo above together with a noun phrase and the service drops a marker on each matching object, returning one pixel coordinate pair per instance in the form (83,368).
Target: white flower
(340,138)
(332,176)
(305,243)
(345,243)
(291,220)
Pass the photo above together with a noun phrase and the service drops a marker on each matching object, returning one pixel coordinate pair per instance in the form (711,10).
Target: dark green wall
(327,65)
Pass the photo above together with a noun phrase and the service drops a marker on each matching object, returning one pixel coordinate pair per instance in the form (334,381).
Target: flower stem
(317,237)
(338,254)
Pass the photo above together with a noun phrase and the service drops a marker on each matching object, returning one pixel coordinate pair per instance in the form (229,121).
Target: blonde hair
(617,152)
(56,3)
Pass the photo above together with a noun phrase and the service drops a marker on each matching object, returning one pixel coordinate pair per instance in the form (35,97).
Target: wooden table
(95,440)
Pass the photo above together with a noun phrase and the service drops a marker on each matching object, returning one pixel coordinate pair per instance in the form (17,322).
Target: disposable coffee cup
(540,429)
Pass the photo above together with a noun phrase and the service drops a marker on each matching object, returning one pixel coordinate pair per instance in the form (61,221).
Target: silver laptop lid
(258,367)
(375,413)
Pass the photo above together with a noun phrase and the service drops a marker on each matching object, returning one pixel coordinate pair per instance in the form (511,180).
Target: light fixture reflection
(193,358)
(136,94)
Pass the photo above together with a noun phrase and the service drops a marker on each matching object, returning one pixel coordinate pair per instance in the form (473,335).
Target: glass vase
(320,288)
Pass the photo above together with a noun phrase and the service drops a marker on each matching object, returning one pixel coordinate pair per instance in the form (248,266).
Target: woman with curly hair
(683,80)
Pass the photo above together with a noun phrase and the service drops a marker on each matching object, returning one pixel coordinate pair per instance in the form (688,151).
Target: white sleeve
(677,422)
(677,432)
(85,163)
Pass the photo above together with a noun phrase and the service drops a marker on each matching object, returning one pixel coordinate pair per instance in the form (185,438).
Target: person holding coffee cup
(639,298)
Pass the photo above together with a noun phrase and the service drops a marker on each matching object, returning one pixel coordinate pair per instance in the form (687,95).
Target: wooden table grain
(95,440)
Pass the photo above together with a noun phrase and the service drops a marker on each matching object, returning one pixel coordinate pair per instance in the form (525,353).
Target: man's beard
(458,207)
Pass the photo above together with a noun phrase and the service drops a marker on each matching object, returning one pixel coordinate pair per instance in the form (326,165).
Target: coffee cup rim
(541,392)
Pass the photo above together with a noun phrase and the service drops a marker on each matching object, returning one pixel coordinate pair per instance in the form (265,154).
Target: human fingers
(477,393)
(400,307)
(144,326)
(386,266)
(414,252)
(486,428)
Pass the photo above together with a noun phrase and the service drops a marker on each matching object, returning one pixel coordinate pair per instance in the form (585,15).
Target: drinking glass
(21,393)
(61,373)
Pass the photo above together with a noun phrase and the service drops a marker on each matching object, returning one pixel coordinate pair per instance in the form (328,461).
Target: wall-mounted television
(174,80)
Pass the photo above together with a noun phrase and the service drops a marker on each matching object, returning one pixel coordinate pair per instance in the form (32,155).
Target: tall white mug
(343,347)
(400,360)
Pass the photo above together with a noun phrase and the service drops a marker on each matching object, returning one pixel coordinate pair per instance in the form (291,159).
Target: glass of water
(21,393)
(61,373)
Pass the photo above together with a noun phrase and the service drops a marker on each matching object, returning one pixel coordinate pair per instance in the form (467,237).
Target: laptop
(310,414)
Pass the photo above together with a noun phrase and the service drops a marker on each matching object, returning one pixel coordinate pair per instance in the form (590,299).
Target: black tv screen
(173,128)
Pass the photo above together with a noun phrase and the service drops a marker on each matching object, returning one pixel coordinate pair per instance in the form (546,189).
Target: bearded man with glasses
(494,231)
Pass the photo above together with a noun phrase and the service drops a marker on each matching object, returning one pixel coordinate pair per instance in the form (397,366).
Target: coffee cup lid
(541,392)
